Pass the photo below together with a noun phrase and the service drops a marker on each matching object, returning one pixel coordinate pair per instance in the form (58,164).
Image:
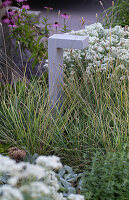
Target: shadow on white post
(56,43)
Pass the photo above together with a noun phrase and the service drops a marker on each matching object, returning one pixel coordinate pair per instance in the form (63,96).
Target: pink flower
(65,16)
(26,6)
(16,15)
(19,1)
(12,24)
(56,25)
(48,8)
(6,3)
(11,12)
(5,19)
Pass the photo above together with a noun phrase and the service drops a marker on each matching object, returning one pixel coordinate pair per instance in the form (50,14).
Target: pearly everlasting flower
(75,197)
(106,46)
(55,195)
(36,189)
(9,193)
(49,162)
(16,168)
(31,171)
(52,180)
(13,181)
(6,164)
(39,188)
(23,171)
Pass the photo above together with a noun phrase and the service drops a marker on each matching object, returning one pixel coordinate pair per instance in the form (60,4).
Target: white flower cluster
(75,197)
(49,162)
(33,181)
(106,47)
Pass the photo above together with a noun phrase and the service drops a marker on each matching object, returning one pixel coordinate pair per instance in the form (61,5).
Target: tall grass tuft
(93,117)
(116,14)
(99,121)
(26,119)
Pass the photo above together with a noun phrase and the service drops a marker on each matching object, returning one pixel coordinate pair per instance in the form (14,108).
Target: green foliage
(99,120)
(117,14)
(4,178)
(3,148)
(67,180)
(30,37)
(30,158)
(26,118)
(94,116)
(107,177)
(46,24)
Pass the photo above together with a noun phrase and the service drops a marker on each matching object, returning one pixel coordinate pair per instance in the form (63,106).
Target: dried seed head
(101,3)
(82,21)
(16,154)
(58,13)
(0,76)
(97,15)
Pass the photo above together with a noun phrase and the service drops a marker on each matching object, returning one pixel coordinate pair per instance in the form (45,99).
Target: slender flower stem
(20,53)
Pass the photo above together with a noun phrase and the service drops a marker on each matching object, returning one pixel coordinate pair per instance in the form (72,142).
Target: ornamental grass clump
(116,14)
(31,181)
(26,119)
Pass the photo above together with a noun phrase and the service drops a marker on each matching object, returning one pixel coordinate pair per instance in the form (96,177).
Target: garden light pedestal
(56,43)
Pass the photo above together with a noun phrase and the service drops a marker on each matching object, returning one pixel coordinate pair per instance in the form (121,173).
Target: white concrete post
(56,43)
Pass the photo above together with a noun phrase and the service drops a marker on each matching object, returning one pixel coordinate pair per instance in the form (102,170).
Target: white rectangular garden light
(56,43)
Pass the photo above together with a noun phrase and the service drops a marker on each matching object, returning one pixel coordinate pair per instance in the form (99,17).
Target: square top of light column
(69,41)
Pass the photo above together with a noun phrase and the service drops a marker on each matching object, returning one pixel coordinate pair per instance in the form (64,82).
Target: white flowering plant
(32,181)
(108,50)
(96,79)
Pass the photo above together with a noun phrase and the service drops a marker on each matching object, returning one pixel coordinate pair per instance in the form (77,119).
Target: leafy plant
(68,181)
(30,158)
(4,148)
(25,31)
(45,21)
(107,177)
(29,37)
